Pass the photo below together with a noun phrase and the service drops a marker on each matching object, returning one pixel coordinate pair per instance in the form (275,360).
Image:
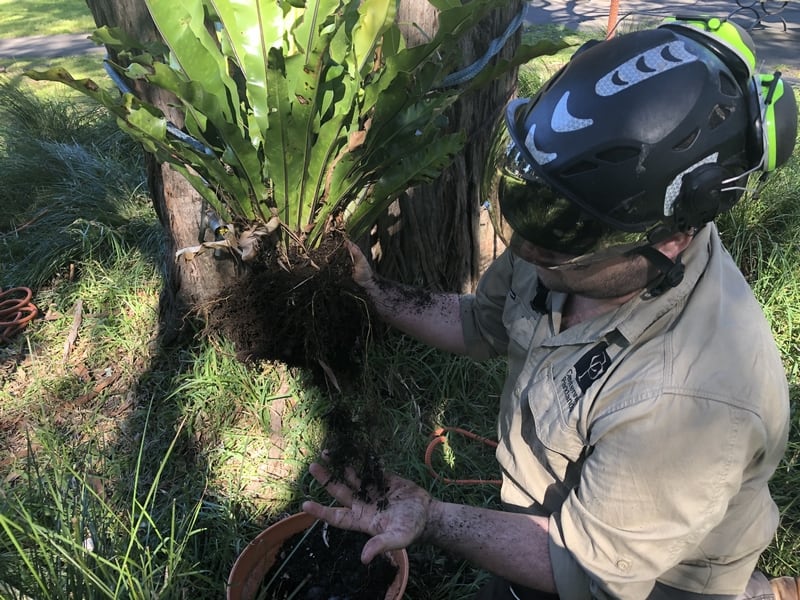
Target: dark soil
(350,443)
(305,310)
(302,309)
(329,572)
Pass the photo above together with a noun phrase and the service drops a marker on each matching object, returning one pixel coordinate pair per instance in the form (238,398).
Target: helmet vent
(578,168)
(718,115)
(727,86)
(618,154)
(686,142)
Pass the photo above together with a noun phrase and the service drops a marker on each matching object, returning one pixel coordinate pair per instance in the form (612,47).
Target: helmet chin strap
(671,272)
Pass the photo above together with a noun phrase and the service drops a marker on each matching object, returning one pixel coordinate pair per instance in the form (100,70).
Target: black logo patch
(591,366)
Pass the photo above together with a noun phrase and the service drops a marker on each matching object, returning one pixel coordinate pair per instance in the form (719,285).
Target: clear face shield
(542,216)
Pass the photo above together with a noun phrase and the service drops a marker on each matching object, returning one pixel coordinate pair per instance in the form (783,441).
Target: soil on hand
(327,565)
(302,309)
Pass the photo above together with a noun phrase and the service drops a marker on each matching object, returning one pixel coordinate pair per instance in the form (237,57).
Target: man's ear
(672,246)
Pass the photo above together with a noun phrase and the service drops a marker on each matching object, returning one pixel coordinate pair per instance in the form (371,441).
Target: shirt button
(623,565)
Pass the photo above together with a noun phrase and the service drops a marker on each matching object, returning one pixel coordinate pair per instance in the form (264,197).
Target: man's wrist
(371,285)
(434,521)
(384,293)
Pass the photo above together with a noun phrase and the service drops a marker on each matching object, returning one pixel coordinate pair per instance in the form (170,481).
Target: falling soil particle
(305,310)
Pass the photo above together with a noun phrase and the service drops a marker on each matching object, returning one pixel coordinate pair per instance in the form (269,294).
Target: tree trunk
(189,285)
(438,235)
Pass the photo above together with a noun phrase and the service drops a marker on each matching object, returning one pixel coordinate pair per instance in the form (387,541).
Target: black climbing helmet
(644,133)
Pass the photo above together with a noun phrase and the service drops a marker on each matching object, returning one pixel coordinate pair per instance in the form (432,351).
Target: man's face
(612,277)
(574,252)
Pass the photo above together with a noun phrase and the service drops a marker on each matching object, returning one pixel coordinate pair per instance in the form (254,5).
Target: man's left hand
(394,524)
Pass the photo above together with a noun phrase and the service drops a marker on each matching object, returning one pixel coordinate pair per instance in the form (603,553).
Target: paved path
(774,24)
(48,46)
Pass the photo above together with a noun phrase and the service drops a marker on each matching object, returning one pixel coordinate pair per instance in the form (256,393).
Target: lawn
(46,17)
(22,18)
(139,469)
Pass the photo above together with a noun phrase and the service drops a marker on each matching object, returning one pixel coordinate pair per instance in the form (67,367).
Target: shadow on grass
(169,459)
(203,450)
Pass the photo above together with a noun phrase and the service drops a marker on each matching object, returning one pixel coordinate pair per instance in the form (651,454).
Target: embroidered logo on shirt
(569,388)
(589,368)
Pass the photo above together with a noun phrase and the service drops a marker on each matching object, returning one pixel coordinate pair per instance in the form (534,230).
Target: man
(646,406)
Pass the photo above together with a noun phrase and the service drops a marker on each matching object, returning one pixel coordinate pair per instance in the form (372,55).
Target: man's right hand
(362,272)
(395,525)
(433,318)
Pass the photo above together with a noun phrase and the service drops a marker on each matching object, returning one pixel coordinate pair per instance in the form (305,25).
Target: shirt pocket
(555,422)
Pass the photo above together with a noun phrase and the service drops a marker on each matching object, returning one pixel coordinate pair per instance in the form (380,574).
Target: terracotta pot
(247,574)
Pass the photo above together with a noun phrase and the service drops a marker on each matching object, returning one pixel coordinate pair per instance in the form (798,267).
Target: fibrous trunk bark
(438,235)
(189,285)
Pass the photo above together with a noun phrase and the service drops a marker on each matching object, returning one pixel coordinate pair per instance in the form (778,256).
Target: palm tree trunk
(446,245)
(189,285)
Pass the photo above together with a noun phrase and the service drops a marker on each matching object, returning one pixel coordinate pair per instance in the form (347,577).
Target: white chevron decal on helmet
(563,121)
(539,156)
(640,68)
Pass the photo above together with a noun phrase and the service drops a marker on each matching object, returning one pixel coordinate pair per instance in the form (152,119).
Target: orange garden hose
(439,437)
(16,311)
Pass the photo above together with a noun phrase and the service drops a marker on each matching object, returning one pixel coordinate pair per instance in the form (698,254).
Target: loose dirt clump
(304,312)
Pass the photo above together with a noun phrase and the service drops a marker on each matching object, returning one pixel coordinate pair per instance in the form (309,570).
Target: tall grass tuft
(763,237)
(66,535)
(70,183)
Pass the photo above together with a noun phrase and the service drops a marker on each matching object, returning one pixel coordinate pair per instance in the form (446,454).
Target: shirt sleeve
(657,481)
(482,312)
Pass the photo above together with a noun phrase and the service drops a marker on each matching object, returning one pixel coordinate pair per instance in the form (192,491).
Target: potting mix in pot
(326,565)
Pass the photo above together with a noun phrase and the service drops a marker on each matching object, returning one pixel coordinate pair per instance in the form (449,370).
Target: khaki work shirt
(647,434)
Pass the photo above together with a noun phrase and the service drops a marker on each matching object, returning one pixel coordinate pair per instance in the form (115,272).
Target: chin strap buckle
(671,272)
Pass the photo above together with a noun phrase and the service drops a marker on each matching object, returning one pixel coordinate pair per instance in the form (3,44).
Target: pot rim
(256,559)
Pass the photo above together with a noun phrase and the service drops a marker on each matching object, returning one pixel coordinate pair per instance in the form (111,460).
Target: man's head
(640,138)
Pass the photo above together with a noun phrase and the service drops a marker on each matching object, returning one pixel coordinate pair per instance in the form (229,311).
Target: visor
(544,217)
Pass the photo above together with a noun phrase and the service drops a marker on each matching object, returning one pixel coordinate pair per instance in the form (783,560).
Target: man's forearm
(433,318)
(511,545)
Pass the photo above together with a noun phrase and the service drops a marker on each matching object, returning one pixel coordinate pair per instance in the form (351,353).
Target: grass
(134,470)
(64,168)
(70,528)
(532,75)
(22,18)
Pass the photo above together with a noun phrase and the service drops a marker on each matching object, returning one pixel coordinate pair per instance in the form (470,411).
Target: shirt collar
(642,311)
